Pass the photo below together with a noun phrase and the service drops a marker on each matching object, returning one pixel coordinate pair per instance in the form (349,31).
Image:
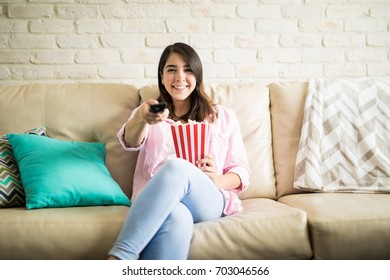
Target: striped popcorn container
(191,140)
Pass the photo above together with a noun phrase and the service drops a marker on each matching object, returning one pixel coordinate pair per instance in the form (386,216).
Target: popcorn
(191,140)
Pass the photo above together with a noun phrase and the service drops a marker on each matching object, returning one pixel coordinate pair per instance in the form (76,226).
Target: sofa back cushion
(287,101)
(250,102)
(79,112)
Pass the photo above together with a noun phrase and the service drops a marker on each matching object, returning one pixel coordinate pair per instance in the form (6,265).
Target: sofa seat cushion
(265,229)
(346,226)
(59,233)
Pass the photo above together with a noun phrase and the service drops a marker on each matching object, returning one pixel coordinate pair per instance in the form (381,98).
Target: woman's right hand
(136,127)
(149,117)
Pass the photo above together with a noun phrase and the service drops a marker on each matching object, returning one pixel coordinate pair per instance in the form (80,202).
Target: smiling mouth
(179,87)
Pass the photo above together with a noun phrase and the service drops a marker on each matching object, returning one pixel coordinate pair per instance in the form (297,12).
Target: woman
(171,194)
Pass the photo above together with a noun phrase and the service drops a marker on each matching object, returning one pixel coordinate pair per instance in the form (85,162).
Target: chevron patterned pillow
(345,136)
(11,188)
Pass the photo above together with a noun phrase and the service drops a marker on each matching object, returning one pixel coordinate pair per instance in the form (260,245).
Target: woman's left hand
(207,165)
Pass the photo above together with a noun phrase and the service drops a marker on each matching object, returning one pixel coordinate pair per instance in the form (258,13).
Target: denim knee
(179,223)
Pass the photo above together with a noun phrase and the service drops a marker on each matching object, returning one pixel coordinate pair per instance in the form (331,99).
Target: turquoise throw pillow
(58,173)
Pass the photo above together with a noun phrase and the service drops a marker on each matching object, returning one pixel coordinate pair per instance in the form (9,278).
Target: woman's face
(178,79)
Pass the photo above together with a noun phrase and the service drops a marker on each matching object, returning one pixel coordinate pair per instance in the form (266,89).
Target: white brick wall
(251,40)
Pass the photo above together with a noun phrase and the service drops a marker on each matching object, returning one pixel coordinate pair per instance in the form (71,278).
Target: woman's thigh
(204,200)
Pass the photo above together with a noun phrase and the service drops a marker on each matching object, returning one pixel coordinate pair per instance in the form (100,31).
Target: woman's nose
(180,76)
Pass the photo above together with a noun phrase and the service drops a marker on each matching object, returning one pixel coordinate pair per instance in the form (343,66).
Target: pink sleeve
(236,159)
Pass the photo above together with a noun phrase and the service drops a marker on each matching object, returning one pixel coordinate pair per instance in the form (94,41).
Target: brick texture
(247,40)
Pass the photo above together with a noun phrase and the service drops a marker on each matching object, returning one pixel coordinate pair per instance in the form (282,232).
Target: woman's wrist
(228,181)
(139,117)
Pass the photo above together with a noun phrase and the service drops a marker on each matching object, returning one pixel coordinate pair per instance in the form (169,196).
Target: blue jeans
(160,222)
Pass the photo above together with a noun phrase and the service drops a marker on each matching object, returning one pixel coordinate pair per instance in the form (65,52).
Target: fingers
(150,117)
(206,160)
(153,118)
(206,163)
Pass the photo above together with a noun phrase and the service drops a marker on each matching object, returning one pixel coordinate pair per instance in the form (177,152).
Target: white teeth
(179,87)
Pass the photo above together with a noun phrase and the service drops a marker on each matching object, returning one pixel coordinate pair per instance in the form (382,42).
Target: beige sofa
(278,221)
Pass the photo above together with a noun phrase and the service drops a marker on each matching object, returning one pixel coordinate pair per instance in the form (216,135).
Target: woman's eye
(189,70)
(170,70)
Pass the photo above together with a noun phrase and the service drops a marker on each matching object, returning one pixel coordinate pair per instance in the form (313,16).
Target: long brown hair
(202,106)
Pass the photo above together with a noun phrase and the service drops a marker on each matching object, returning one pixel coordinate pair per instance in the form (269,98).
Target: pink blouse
(226,147)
